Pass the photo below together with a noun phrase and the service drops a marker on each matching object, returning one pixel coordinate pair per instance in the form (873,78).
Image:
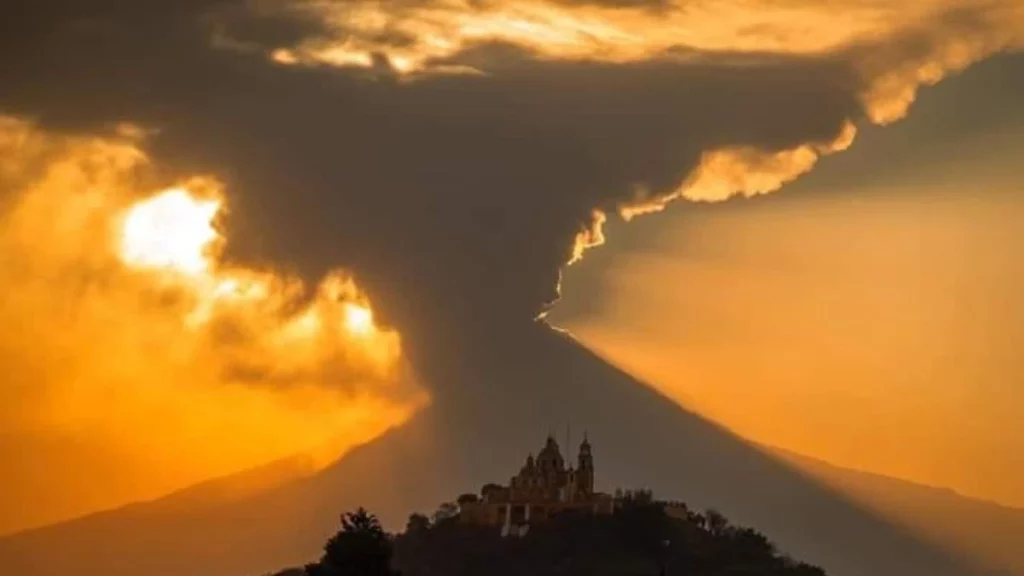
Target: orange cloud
(589,237)
(896,46)
(414,35)
(126,329)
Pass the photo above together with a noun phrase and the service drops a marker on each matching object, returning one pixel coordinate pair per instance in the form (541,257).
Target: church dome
(550,457)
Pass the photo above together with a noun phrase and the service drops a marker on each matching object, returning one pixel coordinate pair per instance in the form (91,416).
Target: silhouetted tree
(639,538)
(716,523)
(361,548)
(417,523)
(697,519)
(445,511)
(640,497)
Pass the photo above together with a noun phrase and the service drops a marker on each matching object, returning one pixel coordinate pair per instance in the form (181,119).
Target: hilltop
(640,538)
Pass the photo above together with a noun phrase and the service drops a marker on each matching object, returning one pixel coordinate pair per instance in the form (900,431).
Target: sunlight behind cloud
(172,230)
(435,30)
(125,329)
(358,319)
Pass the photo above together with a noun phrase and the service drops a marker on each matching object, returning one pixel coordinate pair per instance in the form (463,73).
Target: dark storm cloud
(456,198)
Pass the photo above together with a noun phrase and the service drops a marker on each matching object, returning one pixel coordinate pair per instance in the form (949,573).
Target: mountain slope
(639,438)
(985,531)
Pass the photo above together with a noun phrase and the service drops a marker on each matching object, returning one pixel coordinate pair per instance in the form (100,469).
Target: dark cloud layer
(455,197)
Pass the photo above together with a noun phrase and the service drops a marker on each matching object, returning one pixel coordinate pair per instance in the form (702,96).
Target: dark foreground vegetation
(639,539)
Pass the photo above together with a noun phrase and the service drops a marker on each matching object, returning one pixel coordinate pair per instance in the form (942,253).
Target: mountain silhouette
(984,530)
(480,435)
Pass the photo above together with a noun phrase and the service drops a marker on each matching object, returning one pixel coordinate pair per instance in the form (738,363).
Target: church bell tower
(585,468)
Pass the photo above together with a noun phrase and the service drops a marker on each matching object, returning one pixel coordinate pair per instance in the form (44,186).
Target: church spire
(585,467)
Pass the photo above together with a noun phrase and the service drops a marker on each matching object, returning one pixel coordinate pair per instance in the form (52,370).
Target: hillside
(981,529)
(987,532)
(639,539)
(640,438)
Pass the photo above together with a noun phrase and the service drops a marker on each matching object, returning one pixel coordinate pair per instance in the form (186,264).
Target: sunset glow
(170,230)
(263,262)
(160,351)
(358,319)
(877,335)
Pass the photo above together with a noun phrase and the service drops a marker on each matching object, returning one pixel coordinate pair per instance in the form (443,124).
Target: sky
(867,315)
(879,334)
(133,351)
(351,191)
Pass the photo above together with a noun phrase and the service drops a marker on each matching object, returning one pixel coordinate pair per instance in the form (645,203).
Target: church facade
(543,487)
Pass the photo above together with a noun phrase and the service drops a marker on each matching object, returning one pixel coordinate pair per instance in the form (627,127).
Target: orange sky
(131,349)
(879,332)
(883,324)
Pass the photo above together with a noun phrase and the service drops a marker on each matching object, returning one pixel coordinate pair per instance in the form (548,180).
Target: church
(543,487)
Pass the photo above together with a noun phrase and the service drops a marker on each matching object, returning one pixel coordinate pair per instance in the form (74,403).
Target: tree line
(639,539)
